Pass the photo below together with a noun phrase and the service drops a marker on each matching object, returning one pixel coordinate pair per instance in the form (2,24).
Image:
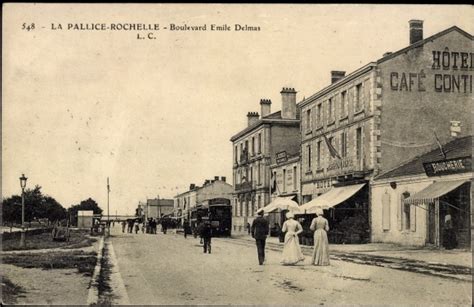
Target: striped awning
(435,190)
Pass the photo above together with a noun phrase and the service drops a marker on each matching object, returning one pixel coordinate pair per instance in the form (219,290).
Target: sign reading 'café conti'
(446,167)
(451,74)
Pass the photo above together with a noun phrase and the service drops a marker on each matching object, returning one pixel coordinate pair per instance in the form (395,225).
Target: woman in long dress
(321,246)
(291,250)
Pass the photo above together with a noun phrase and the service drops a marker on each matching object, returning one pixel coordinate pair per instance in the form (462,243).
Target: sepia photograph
(236,154)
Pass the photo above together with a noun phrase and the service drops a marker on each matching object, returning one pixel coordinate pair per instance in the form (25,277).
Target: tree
(37,206)
(88,204)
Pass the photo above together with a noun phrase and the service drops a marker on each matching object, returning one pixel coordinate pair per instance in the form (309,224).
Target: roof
(460,147)
(273,118)
(424,41)
(371,65)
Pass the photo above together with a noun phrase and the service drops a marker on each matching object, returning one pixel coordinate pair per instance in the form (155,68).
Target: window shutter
(400,213)
(386,211)
(413,217)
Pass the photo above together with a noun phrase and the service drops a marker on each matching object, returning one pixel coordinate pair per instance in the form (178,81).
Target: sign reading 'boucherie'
(450,166)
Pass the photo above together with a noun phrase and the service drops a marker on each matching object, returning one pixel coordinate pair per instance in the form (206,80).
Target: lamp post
(108,215)
(23,185)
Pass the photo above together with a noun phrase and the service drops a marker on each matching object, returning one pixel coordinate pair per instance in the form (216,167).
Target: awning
(435,190)
(332,198)
(285,203)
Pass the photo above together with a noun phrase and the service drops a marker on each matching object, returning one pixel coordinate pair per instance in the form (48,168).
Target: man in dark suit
(260,230)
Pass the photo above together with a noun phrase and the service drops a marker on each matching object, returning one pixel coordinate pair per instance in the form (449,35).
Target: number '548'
(28,27)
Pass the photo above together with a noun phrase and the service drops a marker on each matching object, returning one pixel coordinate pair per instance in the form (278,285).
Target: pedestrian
(291,249)
(137,227)
(259,231)
(143,226)
(449,236)
(164,225)
(248,228)
(321,245)
(186,228)
(206,235)
(124,224)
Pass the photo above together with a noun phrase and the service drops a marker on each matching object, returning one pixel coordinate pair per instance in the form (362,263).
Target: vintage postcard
(237,154)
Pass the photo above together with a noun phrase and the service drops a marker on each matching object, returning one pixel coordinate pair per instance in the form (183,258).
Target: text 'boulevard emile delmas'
(152,27)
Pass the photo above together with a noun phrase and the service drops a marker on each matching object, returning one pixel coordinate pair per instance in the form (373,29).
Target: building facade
(255,149)
(157,207)
(410,203)
(385,113)
(285,182)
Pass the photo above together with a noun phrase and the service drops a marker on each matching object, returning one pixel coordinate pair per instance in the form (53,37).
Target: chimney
(223,179)
(416,30)
(265,107)
(252,118)
(288,103)
(192,186)
(216,178)
(206,182)
(337,75)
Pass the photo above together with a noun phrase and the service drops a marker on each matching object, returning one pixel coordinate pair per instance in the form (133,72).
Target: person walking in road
(260,230)
(206,234)
(124,225)
(137,227)
(186,228)
(321,245)
(291,249)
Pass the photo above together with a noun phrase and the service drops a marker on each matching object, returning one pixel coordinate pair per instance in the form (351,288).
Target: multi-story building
(186,202)
(383,114)
(255,149)
(285,174)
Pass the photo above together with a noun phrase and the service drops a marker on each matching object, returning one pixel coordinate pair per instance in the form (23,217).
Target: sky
(155,115)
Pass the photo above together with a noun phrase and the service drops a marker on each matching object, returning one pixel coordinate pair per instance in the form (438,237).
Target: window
(308,120)
(258,172)
(359,143)
(246,145)
(308,149)
(259,203)
(241,151)
(251,174)
(320,111)
(343,144)
(343,104)
(284,180)
(259,142)
(236,154)
(330,111)
(294,179)
(358,97)
(319,155)
(406,216)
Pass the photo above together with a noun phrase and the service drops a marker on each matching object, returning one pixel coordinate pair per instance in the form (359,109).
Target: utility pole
(108,215)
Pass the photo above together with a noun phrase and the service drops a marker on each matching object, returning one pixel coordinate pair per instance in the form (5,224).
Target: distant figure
(130,226)
(124,224)
(449,236)
(137,227)
(206,234)
(321,245)
(186,228)
(291,250)
(259,232)
(164,225)
(143,226)
(248,228)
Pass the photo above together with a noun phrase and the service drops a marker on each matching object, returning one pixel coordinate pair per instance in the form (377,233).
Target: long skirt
(291,250)
(321,248)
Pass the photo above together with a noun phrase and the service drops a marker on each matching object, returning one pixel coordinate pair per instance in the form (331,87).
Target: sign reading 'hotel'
(446,167)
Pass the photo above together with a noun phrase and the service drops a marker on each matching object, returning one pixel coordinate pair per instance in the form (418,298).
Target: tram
(218,211)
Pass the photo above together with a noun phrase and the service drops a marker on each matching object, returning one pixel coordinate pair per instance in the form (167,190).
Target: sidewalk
(456,257)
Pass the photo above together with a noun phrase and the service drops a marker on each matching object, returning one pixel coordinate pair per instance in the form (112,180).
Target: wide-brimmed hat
(290,215)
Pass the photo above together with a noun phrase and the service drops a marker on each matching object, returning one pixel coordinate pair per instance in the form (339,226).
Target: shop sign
(281,157)
(449,166)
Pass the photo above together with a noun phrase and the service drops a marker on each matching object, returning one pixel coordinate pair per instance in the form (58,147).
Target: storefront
(346,207)
(425,200)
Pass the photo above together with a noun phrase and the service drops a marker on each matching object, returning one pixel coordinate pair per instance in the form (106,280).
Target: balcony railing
(244,186)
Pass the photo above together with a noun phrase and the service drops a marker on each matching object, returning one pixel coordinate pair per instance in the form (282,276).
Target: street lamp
(23,185)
